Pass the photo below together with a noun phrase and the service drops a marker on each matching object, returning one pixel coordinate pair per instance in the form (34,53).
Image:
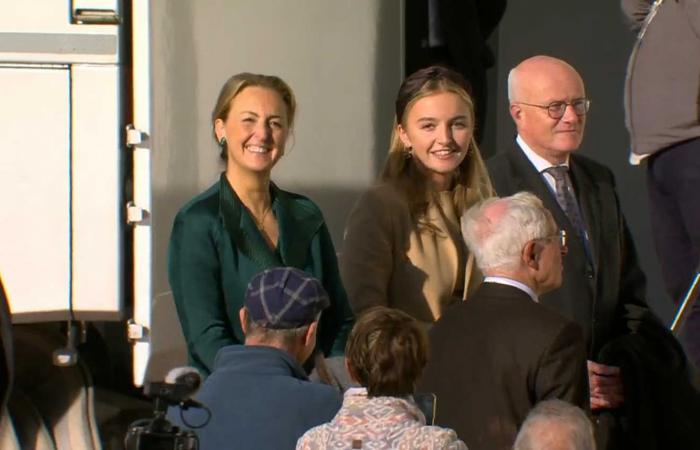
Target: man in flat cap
(259,394)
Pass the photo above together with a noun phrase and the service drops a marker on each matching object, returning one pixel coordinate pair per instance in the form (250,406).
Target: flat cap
(284,298)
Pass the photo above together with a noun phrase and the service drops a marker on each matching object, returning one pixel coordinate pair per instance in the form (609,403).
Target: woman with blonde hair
(244,224)
(403,245)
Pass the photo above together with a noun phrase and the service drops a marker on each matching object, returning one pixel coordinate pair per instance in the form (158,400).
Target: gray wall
(594,38)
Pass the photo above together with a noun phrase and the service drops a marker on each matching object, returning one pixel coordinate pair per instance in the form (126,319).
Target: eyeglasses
(560,235)
(556,110)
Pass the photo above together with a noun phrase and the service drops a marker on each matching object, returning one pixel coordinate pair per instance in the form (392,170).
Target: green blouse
(216,248)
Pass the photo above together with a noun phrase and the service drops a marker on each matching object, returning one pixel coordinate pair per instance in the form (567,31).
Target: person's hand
(605,386)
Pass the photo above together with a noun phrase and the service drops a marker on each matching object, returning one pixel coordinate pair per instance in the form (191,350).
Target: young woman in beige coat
(403,245)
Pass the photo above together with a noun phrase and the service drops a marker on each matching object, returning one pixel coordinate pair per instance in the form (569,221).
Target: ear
(219,129)
(243,317)
(403,136)
(516,112)
(310,336)
(530,255)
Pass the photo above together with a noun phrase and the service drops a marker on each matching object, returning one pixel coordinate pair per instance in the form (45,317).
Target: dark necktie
(565,197)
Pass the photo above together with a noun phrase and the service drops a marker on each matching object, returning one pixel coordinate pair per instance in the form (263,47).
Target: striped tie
(566,198)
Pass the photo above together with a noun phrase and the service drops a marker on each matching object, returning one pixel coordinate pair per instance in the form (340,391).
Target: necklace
(261,223)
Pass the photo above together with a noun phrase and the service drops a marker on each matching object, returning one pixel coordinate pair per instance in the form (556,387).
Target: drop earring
(222,142)
(409,152)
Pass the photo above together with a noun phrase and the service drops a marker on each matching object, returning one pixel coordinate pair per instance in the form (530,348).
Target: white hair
(555,420)
(512,81)
(497,240)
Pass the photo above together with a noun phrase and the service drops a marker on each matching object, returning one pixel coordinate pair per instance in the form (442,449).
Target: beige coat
(388,260)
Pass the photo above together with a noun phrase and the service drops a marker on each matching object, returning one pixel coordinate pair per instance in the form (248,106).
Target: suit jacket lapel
(298,224)
(528,179)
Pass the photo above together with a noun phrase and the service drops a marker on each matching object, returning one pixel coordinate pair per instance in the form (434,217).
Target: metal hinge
(135,215)
(135,331)
(135,137)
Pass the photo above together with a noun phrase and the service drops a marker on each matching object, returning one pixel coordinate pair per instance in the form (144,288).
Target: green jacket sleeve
(337,321)
(194,275)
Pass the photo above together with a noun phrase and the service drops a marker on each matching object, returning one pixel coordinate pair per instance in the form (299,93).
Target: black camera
(158,433)
(146,438)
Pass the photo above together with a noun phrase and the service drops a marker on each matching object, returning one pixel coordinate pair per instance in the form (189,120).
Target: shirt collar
(539,162)
(516,284)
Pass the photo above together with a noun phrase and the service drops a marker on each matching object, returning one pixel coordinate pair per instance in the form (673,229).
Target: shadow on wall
(335,203)
(176,156)
(387,66)
(488,146)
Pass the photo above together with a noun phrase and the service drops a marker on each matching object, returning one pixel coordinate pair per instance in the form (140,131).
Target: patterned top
(378,423)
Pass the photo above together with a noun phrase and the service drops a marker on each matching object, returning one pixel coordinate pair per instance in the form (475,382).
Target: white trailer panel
(35,174)
(98,227)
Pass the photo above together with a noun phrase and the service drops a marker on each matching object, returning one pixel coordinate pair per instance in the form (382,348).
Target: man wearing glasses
(603,288)
(494,356)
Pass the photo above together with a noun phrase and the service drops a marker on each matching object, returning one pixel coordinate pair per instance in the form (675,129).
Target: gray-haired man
(556,425)
(500,352)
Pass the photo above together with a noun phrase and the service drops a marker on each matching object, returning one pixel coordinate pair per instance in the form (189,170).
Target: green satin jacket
(216,248)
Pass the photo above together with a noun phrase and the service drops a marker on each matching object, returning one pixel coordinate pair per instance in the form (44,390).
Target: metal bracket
(85,16)
(135,332)
(135,215)
(136,137)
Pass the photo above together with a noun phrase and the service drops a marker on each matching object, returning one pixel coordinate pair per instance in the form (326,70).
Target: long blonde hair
(472,182)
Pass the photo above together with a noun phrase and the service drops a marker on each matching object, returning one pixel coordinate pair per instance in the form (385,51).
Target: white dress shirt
(516,284)
(540,163)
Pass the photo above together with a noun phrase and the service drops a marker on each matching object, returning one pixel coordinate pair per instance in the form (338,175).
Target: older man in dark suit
(494,356)
(603,288)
